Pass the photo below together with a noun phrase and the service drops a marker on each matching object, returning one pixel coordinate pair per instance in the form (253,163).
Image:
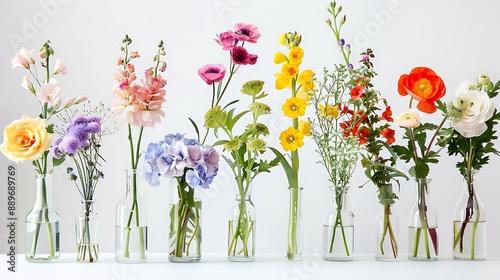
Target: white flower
(476,107)
(49,93)
(60,67)
(408,119)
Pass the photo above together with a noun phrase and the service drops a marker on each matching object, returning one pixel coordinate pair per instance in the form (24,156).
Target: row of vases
(131,235)
(469,227)
(185,233)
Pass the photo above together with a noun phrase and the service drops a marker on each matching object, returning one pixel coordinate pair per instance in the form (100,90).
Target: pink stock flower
(23,58)
(227,40)
(60,67)
(246,32)
(28,85)
(49,93)
(124,77)
(212,73)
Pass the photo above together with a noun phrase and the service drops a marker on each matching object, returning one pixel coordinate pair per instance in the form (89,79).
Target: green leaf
(195,128)
(229,104)
(290,174)
(58,161)
(231,122)
(50,128)
(421,169)
(220,142)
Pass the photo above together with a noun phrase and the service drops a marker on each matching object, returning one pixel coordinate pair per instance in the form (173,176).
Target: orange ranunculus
(389,134)
(425,86)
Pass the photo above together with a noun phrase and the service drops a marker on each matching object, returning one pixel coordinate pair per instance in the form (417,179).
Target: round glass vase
(185,222)
(131,231)
(42,224)
(423,225)
(241,233)
(338,227)
(295,235)
(469,225)
(386,235)
(87,233)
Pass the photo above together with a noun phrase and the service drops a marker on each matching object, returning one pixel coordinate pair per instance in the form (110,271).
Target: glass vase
(387,235)
(423,225)
(338,227)
(241,235)
(42,224)
(469,225)
(294,244)
(131,231)
(87,233)
(185,222)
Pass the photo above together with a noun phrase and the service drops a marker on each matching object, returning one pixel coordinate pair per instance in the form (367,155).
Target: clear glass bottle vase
(87,233)
(131,231)
(386,235)
(241,234)
(294,240)
(469,225)
(338,227)
(185,222)
(423,241)
(42,224)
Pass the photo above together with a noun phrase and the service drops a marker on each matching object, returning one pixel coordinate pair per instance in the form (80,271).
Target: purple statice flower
(347,47)
(350,66)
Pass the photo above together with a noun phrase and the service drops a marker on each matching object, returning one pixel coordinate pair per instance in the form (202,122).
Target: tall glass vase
(131,231)
(241,235)
(387,235)
(294,244)
(42,224)
(469,225)
(338,227)
(423,225)
(185,223)
(87,233)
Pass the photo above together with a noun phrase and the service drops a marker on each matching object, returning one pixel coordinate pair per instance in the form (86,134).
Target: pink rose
(212,73)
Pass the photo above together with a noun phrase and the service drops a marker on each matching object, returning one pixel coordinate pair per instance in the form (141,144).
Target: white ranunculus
(477,108)
(408,119)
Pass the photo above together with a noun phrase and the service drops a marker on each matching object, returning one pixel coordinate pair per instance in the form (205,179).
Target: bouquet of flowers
(473,116)
(214,74)
(246,147)
(301,84)
(191,165)
(138,105)
(81,141)
(29,139)
(425,86)
(364,127)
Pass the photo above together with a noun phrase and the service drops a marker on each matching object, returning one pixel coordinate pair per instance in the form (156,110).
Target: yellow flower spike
(279,58)
(294,107)
(282,39)
(295,55)
(291,139)
(282,81)
(289,70)
(305,128)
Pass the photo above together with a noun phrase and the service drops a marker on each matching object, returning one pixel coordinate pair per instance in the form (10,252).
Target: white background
(455,38)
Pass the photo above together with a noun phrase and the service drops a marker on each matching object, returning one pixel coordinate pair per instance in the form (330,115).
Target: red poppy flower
(425,86)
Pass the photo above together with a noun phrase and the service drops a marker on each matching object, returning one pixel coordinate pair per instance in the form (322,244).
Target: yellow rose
(25,139)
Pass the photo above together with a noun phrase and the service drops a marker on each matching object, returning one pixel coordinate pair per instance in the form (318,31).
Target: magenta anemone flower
(240,55)
(227,40)
(212,73)
(246,32)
